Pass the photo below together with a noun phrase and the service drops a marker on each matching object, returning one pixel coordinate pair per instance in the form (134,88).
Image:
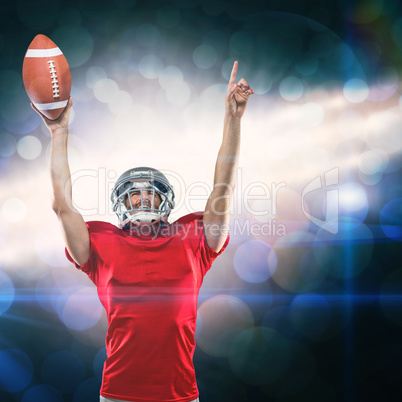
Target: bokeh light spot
(29,147)
(82,309)
(52,286)
(105,90)
(14,210)
(391,219)
(205,56)
(16,370)
(353,201)
(255,261)
(356,90)
(311,314)
(150,66)
(370,179)
(43,393)
(170,77)
(49,245)
(76,43)
(291,88)
(223,317)
(373,161)
(17,115)
(8,145)
(93,75)
(121,103)
(260,81)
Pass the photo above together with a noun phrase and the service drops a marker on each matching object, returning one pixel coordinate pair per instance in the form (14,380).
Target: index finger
(233,73)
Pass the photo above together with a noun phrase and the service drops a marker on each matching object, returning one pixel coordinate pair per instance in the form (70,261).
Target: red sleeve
(90,265)
(207,254)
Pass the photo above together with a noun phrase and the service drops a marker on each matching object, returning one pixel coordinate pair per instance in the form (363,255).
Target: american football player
(148,271)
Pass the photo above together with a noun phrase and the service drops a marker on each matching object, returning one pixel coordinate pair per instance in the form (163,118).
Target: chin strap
(142,219)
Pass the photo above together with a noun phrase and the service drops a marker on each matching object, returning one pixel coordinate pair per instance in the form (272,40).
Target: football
(46,76)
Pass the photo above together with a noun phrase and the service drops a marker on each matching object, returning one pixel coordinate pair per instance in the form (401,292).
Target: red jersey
(149,284)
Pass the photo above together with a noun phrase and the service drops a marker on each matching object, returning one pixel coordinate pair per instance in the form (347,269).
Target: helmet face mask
(145,185)
(143,197)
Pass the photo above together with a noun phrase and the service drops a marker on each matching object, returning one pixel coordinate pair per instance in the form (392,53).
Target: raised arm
(217,211)
(75,231)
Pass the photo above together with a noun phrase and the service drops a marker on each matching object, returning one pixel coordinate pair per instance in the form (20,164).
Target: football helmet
(147,183)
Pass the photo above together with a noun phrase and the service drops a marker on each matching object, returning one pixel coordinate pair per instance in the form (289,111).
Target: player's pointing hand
(237,94)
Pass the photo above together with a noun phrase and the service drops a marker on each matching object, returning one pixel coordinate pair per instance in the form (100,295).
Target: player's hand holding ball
(59,125)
